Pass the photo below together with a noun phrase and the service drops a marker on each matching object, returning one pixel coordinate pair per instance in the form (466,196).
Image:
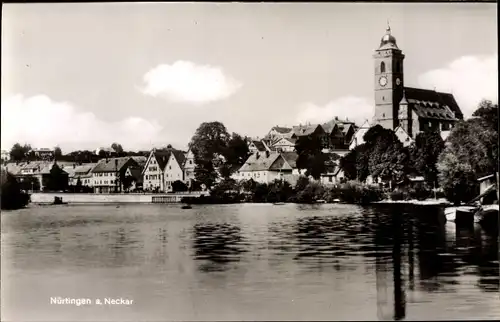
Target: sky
(82,76)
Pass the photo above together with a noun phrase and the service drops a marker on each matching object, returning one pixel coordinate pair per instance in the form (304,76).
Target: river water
(245,262)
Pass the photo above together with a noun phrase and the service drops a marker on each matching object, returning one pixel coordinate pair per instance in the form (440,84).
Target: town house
(189,167)
(105,174)
(174,169)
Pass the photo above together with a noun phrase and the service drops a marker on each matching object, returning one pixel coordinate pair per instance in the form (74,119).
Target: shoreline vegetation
(12,197)
(310,192)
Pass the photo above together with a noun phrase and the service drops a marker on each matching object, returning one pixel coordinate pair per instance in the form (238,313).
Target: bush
(11,195)
(420,192)
(397,195)
(312,192)
(358,193)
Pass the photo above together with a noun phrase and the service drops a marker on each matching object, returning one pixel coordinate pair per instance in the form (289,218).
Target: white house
(403,136)
(5,156)
(82,172)
(284,145)
(174,170)
(189,166)
(357,138)
(267,167)
(106,172)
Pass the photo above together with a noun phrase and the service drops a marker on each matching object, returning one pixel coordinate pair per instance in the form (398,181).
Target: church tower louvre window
(382,67)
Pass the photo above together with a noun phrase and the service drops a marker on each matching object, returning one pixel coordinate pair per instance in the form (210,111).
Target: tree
(384,154)
(471,151)
(19,152)
(209,144)
(235,154)
(57,153)
(456,178)
(310,156)
(11,195)
(391,164)
(117,148)
(425,153)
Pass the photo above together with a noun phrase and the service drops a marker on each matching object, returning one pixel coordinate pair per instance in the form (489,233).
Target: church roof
(430,104)
(388,41)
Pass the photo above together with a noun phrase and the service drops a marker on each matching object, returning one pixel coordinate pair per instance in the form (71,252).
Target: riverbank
(90,198)
(48,198)
(426,202)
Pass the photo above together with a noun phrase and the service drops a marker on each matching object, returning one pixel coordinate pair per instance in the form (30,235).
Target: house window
(170,167)
(382,67)
(190,162)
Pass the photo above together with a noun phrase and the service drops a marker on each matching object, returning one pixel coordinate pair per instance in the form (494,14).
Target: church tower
(388,60)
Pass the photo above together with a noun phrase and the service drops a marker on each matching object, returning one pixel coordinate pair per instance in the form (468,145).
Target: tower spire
(388,27)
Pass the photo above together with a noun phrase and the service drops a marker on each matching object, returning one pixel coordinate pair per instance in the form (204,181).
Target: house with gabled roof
(106,174)
(81,172)
(284,145)
(278,132)
(174,169)
(267,167)
(189,167)
(357,138)
(163,167)
(40,170)
(257,146)
(403,136)
(310,130)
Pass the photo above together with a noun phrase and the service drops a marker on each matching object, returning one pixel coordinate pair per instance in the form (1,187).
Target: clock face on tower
(382,81)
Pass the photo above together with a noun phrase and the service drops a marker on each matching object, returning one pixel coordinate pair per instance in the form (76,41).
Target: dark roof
(328,126)
(430,104)
(259,162)
(163,155)
(282,130)
(291,158)
(304,130)
(136,173)
(112,164)
(259,145)
(180,156)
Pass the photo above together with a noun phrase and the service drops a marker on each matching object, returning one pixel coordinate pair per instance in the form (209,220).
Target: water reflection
(217,244)
(259,258)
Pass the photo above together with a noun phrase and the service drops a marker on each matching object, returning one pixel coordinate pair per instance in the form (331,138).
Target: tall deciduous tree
(471,151)
(310,155)
(235,155)
(209,144)
(425,153)
(57,153)
(19,152)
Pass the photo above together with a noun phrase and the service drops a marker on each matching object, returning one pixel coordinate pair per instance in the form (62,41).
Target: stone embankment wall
(38,198)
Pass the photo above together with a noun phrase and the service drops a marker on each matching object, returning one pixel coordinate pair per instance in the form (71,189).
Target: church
(412,109)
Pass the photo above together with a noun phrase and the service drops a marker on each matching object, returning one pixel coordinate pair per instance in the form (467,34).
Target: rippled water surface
(245,262)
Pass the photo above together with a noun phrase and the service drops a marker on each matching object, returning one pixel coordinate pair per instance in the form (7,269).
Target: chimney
(336,118)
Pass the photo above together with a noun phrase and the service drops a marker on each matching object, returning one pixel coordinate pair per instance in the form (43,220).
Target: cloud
(185,81)
(469,78)
(354,108)
(41,122)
